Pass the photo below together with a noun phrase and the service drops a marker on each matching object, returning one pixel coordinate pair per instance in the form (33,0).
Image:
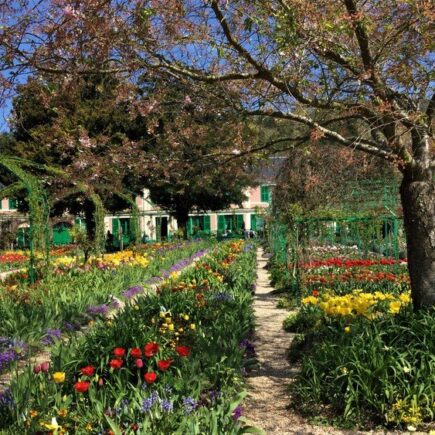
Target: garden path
(267,403)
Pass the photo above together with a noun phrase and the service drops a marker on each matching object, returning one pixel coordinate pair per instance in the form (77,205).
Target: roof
(269,171)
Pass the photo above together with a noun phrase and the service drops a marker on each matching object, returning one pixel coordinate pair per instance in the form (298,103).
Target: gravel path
(266,405)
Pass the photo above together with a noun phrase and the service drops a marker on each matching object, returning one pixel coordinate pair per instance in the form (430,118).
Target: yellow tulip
(59,377)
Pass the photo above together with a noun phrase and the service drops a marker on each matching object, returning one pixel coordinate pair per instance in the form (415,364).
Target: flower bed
(64,299)
(367,359)
(169,362)
(11,260)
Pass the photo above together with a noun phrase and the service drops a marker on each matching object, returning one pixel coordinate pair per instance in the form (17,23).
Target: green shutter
(12,204)
(190,226)
(265,194)
(253,222)
(239,221)
(207,223)
(221,223)
(115,227)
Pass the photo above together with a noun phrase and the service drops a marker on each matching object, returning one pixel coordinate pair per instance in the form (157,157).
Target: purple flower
(190,404)
(71,326)
(223,297)
(237,413)
(6,358)
(132,291)
(148,403)
(167,405)
(51,335)
(98,309)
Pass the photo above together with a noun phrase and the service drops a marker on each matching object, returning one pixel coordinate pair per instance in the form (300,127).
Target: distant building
(157,224)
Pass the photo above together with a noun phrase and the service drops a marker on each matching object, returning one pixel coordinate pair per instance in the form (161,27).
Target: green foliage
(305,321)
(64,297)
(383,371)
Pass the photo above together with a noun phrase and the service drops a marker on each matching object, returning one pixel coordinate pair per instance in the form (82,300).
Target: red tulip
(45,366)
(151,349)
(183,351)
(119,352)
(164,364)
(116,363)
(136,352)
(36,369)
(88,370)
(150,377)
(82,386)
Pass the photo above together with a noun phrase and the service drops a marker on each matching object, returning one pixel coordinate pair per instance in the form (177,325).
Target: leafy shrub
(380,371)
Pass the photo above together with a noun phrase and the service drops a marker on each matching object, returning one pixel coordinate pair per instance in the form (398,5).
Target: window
(198,224)
(230,222)
(265,193)
(12,204)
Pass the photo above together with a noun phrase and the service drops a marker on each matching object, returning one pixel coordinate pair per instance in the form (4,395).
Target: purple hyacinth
(71,326)
(132,291)
(190,404)
(223,297)
(97,309)
(167,405)
(237,413)
(51,335)
(148,403)
(6,358)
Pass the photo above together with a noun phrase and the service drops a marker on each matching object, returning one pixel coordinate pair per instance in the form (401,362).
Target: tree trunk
(418,201)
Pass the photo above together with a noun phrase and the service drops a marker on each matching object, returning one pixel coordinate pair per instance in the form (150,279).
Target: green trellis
(38,208)
(368,217)
(40,204)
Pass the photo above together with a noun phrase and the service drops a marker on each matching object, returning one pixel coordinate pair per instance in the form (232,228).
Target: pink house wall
(213,222)
(255,194)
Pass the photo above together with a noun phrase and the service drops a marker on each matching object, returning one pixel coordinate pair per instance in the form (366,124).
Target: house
(157,224)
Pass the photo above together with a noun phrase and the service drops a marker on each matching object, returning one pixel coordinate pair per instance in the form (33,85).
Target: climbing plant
(38,207)
(135,227)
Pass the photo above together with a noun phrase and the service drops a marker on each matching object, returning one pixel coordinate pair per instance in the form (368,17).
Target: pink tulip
(138,363)
(45,366)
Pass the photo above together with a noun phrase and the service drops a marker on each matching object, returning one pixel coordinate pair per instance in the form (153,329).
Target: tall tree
(290,59)
(299,60)
(84,130)
(191,161)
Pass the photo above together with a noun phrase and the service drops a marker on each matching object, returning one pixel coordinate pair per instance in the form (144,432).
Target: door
(61,234)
